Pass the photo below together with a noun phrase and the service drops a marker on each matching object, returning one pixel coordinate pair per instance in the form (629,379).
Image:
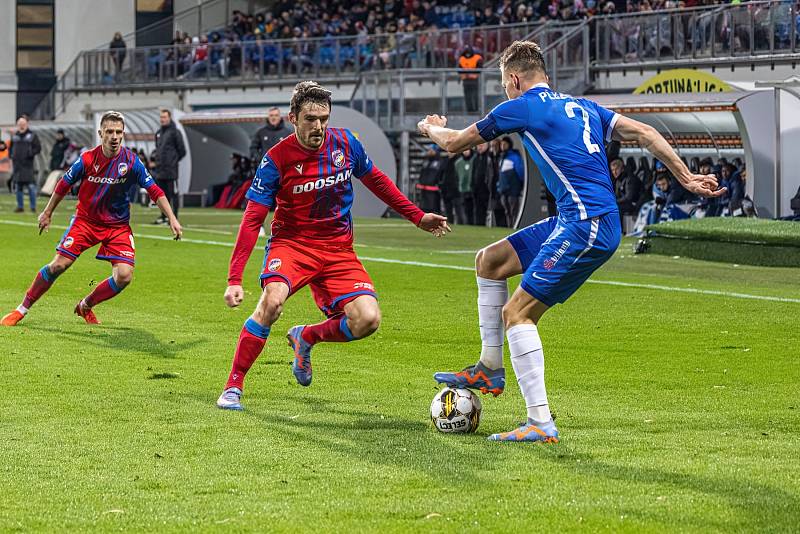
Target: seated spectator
(627,188)
(733,180)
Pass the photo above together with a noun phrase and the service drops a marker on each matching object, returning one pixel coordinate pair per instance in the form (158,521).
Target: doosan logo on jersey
(105,180)
(323,182)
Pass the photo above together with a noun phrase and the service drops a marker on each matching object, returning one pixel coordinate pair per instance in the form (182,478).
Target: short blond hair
(522,57)
(113,116)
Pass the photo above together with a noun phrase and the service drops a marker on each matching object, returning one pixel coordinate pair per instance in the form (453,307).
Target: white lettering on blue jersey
(564,136)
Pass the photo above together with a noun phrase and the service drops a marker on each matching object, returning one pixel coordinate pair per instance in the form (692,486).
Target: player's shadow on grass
(124,338)
(377,437)
(760,504)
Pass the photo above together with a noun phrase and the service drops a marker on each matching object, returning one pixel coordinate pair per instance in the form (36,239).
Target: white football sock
(527,358)
(492,296)
(22,309)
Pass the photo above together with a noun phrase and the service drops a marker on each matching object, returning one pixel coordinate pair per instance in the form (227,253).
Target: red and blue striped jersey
(107,185)
(312,190)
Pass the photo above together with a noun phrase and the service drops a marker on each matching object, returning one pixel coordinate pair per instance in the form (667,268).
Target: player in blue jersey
(564,136)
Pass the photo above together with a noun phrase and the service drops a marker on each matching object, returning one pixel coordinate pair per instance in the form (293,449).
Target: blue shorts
(558,256)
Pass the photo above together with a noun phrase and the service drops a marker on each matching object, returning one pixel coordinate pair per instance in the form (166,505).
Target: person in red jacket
(307,177)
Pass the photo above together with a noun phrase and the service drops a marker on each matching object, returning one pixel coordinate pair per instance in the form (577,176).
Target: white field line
(655,287)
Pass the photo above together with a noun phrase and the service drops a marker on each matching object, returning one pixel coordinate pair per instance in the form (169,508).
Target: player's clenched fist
(234,295)
(431,120)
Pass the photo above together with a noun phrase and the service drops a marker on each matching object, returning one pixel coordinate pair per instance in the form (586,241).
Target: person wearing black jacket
(484,176)
(429,178)
(24,147)
(58,151)
(449,188)
(627,187)
(169,151)
(269,135)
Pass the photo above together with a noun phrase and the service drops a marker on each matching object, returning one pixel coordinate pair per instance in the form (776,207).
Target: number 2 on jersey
(569,108)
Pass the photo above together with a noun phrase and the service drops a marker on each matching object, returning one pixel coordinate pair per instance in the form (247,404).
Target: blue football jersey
(564,136)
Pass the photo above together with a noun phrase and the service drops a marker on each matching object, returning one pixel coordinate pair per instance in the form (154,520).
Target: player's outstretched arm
(454,141)
(383,187)
(47,213)
(166,209)
(252,220)
(627,129)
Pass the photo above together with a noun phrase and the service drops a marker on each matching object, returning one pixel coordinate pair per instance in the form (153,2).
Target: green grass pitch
(678,406)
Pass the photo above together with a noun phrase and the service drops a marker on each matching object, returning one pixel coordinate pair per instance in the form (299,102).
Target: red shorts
(116,241)
(335,277)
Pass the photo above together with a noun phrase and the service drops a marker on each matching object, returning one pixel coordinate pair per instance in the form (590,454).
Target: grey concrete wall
(87,24)
(8,61)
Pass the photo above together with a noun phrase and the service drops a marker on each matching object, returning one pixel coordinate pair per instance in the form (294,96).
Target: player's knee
(57,268)
(487,264)
(367,322)
(512,314)
(123,278)
(268,310)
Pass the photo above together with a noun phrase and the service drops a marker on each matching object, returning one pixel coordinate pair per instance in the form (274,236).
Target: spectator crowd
(481,187)
(486,186)
(295,37)
(647,193)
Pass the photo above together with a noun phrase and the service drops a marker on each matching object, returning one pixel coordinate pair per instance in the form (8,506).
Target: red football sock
(105,290)
(39,287)
(251,343)
(334,329)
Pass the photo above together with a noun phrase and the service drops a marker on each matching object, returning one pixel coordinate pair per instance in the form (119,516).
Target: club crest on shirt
(68,242)
(122,168)
(274,264)
(338,158)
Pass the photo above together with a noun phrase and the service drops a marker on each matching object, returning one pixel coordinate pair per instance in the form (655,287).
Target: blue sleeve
(608,118)
(75,172)
(507,117)
(361,162)
(265,183)
(142,174)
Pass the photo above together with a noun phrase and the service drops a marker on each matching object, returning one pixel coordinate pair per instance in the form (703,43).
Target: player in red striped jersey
(110,176)
(307,179)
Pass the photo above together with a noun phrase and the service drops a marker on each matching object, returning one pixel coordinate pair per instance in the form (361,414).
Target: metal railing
(397,99)
(760,30)
(254,60)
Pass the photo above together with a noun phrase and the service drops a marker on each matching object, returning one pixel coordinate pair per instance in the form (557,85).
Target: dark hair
(113,116)
(308,91)
(165,110)
(522,56)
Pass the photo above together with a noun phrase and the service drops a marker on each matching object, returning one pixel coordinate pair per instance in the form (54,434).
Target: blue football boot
(530,431)
(301,366)
(477,377)
(230,399)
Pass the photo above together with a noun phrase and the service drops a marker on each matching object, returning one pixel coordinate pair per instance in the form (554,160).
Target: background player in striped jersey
(110,175)
(564,136)
(307,178)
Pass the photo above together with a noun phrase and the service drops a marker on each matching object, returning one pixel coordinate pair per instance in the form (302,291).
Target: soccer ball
(456,410)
